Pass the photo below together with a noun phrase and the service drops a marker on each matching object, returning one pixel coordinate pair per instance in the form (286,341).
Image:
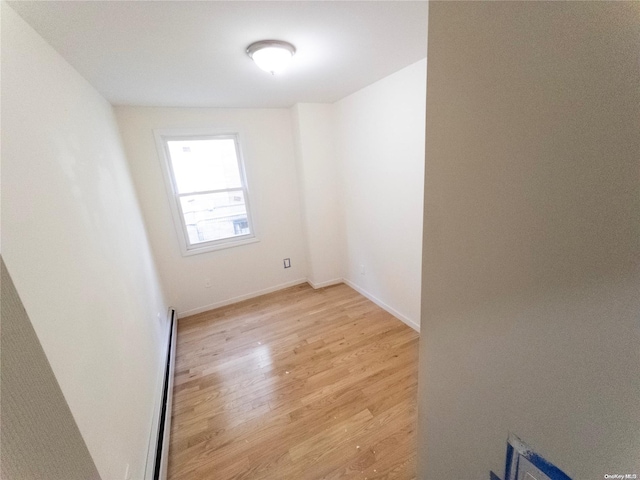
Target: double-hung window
(206,178)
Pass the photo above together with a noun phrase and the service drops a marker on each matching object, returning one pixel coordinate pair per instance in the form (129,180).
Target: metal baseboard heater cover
(164,425)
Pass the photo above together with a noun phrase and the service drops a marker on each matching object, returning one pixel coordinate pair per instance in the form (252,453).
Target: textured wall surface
(531,272)
(39,437)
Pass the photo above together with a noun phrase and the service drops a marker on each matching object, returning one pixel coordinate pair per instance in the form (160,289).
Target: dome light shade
(271,55)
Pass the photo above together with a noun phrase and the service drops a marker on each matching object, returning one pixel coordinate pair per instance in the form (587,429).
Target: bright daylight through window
(207,178)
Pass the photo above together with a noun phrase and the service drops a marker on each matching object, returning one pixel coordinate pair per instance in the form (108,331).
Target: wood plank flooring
(298,384)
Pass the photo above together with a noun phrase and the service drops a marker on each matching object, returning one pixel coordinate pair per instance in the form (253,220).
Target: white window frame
(163,136)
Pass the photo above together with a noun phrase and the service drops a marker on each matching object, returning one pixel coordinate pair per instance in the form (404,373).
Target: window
(205,176)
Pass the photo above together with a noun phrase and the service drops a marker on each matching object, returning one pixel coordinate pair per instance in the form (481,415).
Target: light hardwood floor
(298,384)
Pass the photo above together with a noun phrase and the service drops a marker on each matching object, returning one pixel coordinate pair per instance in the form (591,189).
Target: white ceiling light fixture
(272,56)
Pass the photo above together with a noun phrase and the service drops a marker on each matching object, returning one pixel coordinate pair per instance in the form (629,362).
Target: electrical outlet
(207,283)
(287,263)
(363,271)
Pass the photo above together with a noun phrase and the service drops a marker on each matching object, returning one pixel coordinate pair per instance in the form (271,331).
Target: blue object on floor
(524,464)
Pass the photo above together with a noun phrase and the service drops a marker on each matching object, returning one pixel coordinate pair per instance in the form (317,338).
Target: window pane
(214,216)
(204,165)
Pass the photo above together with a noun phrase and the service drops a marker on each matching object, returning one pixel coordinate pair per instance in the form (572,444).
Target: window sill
(219,246)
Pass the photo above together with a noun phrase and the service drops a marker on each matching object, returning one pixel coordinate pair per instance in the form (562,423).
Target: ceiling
(192,53)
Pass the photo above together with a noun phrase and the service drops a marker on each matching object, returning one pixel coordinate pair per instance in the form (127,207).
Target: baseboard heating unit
(159,447)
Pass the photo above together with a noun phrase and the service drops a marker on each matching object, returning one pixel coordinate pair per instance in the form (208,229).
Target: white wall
(380,149)
(531,303)
(312,170)
(318,178)
(74,242)
(243,271)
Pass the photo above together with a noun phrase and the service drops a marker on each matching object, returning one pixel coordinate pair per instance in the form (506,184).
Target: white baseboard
(384,306)
(335,281)
(240,298)
(328,283)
